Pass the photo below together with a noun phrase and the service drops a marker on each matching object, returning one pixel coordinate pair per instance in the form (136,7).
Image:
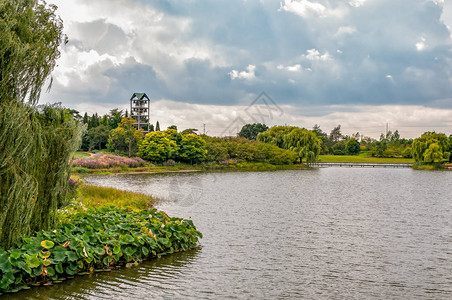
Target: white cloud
(410,120)
(294,68)
(345,30)
(314,54)
(306,9)
(247,75)
(357,3)
(303,7)
(438,2)
(421,44)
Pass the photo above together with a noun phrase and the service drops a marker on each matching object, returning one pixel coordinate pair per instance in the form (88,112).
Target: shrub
(104,161)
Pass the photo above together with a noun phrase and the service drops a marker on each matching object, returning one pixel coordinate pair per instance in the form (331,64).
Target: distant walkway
(359,165)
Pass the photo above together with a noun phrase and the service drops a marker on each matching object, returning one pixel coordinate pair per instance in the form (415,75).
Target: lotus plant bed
(97,240)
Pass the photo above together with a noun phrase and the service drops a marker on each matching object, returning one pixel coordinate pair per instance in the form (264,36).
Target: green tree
(433,154)
(125,136)
(98,137)
(334,137)
(352,146)
(36,142)
(172,127)
(339,148)
(423,151)
(30,34)
(406,153)
(250,131)
(275,135)
(192,148)
(323,138)
(190,131)
(116,116)
(157,126)
(303,142)
(158,147)
(380,148)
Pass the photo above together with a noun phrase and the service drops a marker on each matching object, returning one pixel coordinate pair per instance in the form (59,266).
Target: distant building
(140,110)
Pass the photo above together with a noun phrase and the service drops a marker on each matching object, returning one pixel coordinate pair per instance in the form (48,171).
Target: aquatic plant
(96,240)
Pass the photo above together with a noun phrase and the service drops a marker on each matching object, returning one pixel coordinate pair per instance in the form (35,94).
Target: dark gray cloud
(302,53)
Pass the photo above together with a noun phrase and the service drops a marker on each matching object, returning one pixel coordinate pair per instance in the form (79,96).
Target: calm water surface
(333,233)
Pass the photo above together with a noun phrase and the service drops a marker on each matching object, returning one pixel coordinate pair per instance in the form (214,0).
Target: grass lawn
(81,154)
(105,196)
(364,159)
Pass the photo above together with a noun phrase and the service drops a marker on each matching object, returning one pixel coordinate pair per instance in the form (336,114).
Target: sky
(217,65)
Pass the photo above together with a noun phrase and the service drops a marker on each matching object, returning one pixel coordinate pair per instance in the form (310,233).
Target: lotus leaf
(47,244)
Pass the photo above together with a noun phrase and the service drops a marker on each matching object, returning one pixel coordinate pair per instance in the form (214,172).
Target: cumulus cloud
(314,54)
(421,44)
(294,68)
(331,53)
(303,7)
(247,75)
(357,3)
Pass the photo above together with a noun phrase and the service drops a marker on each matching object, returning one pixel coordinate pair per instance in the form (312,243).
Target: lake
(342,233)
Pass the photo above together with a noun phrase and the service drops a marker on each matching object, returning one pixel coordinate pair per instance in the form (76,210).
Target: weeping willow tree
(302,141)
(35,142)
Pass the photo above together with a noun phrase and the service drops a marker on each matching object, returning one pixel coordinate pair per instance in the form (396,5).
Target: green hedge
(96,240)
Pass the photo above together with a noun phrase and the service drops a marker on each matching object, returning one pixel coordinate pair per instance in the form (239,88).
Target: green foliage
(125,137)
(61,136)
(116,117)
(37,144)
(339,148)
(98,239)
(433,154)
(157,126)
(335,135)
(275,135)
(157,146)
(244,150)
(192,148)
(446,156)
(352,147)
(81,170)
(302,141)
(98,137)
(189,131)
(430,147)
(250,131)
(30,34)
(160,146)
(323,138)
(407,152)
(379,149)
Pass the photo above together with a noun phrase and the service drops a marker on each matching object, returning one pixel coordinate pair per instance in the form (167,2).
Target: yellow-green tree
(300,140)
(157,146)
(431,147)
(125,136)
(192,148)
